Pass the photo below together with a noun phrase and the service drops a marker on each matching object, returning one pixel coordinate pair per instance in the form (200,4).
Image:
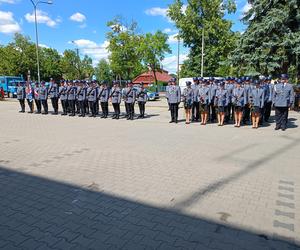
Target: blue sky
(84,22)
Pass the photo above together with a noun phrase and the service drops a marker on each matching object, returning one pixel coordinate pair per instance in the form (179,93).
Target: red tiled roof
(148,77)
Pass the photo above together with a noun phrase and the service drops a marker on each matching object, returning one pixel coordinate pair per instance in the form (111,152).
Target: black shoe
(277,128)
(176,121)
(29,112)
(171,121)
(283,129)
(72,115)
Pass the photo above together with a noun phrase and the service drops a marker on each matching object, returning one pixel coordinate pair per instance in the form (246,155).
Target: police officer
(103,98)
(247,111)
(221,101)
(229,86)
(142,99)
(81,96)
(71,92)
(188,101)
(77,103)
(43,95)
(86,102)
(62,94)
(97,97)
(239,100)
(174,98)
(268,98)
(92,98)
(53,94)
(205,100)
(116,96)
(129,98)
(196,104)
(212,109)
(37,98)
(283,99)
(29,96)
(257,101)
(21,96)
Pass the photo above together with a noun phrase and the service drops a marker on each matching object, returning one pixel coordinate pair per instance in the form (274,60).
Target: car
(152,96)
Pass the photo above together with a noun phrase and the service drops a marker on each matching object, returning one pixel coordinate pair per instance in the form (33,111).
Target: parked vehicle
(152,96)
(9,84)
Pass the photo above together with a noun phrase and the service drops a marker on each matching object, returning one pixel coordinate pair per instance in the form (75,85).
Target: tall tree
(271,43)
(87,67)
(71,65)
(125,59)
(218,37)
(153,48)
(103,71)
(50,64)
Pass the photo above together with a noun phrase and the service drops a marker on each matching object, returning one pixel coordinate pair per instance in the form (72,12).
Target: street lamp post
(35,4)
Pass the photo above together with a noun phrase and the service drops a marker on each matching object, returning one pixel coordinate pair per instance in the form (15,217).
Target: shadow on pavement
(37,213)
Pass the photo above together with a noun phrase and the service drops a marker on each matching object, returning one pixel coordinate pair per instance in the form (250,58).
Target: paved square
(88,183)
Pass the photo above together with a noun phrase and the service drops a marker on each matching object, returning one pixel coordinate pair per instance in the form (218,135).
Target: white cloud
(157,11)
(44,46)
(167,30)
(170,62)
(8,25)
(42,17)
(78,17)
(173,38)
(246,7)
(8,1)
(92,49)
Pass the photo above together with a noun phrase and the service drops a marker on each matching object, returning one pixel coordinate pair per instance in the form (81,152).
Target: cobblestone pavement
(88,183)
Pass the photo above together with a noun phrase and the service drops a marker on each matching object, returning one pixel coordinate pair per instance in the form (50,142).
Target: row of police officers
(241,100)
(82,98)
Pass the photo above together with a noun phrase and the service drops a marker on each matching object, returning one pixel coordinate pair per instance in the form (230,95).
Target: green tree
(50,61)
(271,43)
(70,65)
(219,39)
(87,68)
(125,58)
(153,48)
(103,71)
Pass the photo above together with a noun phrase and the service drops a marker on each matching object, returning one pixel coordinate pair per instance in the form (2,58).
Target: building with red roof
(148,77)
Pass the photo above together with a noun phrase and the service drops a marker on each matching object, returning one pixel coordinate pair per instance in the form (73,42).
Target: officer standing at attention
(92,98)
(72,97)
(130,96)
(37,98)
(103,98)
(53,94)
(221,102)
(247,111)
(283,100)
(86,102)
(29,96)
(116,97)
(21,96)
(205,100)
(196,104)
(257,101)
(62,94)
(43,94)
(188,101)
(174,98)
(97,86)
(142,99)
(124,99)
(81,96)
(239,100)
(212,109)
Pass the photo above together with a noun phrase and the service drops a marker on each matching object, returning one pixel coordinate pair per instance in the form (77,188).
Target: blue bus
(9,84)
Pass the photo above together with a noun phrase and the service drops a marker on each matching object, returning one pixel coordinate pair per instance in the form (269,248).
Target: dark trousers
(212,112)
(196,111)
(45,106)
(86,105)
(130,109)
(268,108)
(229,112)
(104,107)
(54,102)
(22,104)
(77,104)
(93,109)
(71,104)
(97,107)
(174,111)
(64,104)
(30,104)
(281,117)
(81,108)
(126,109)
(116,107)
(38,106)
(142,108)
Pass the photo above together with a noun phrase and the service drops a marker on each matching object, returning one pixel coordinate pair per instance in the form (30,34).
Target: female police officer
(188,99)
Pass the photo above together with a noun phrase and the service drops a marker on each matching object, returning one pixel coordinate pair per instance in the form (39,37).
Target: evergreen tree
(271,43)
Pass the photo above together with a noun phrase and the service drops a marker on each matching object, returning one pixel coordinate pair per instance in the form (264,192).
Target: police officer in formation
(53,94)
(239,100)
(116,97)
(21,95)
(129,96)
(37,98)
(43,96)
(221,102)
(283,100)
(173,96)
(104,98)
(29,97)
(141,96)
(196,104)
(80,97)
(188,101)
